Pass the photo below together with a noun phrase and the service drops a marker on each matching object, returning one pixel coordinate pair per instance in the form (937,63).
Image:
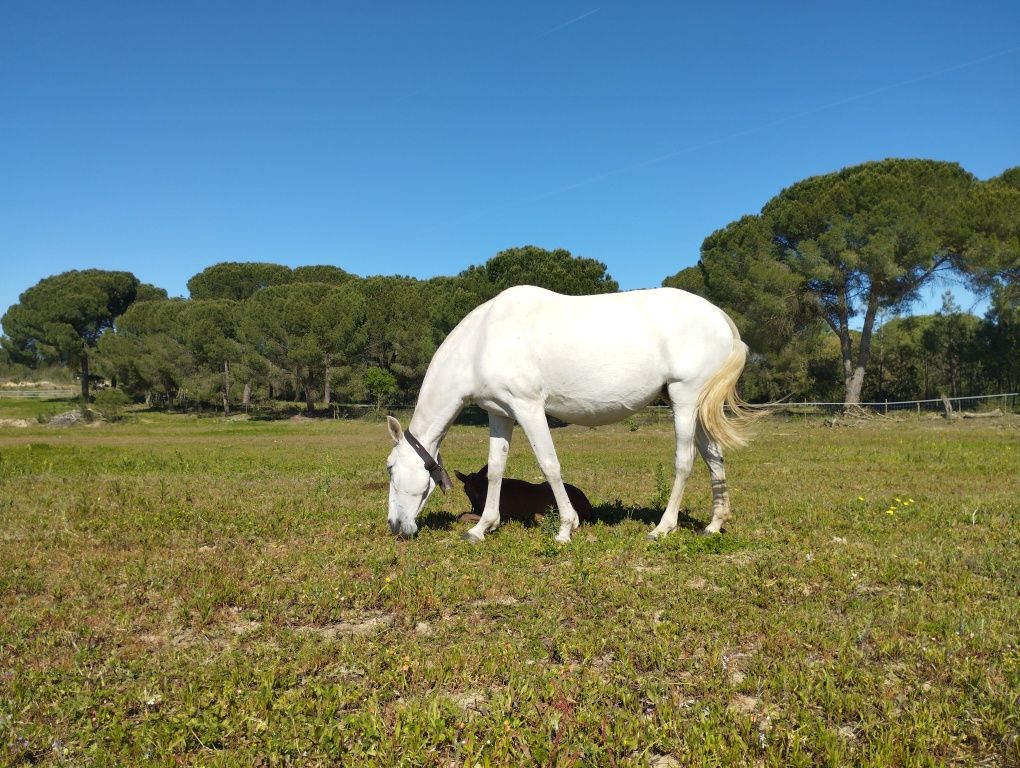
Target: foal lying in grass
(518,499)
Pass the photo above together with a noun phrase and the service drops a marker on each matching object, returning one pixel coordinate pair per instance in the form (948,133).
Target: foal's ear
(394,427)
(460,475)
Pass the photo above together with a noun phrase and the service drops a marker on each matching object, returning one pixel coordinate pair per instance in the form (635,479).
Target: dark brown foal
(518,499)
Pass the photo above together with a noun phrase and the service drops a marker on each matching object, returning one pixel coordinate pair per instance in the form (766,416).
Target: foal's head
(476,486)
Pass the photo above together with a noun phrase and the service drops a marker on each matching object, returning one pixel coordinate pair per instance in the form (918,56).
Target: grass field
(187,590)
(30,407)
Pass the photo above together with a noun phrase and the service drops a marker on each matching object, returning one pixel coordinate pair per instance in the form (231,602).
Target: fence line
(936,400)
(52,394)
(1007,401)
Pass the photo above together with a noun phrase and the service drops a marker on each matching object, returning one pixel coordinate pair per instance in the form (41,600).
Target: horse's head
(411,481)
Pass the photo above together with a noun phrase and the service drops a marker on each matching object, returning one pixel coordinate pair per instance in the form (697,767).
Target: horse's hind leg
(500,430)
(712,454)
(685,417)
(533,422)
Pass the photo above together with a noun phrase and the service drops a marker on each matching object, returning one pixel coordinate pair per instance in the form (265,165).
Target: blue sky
(419,138)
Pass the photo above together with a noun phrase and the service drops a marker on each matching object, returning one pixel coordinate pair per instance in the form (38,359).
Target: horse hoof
(470,538)
(561,539)
(706,532)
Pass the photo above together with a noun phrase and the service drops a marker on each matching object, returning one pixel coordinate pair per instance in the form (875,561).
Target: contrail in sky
(566,24)
(713,142)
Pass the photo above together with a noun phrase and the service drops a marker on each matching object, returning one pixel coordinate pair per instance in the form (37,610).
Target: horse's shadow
(613,513)
(617,512)
(438,520)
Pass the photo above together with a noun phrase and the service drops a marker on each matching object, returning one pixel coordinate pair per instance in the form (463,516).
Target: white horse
(586,360)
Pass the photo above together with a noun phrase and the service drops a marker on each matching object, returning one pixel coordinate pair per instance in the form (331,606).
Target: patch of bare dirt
(739,558)
(655,760)
(663,761)
(238,624)
(228,624)
(747,705)
(472,701)
(423,628)
(488,601)
(358,625)
(734,665)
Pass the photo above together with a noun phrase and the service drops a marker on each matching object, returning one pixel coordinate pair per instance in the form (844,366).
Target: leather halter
(433,467)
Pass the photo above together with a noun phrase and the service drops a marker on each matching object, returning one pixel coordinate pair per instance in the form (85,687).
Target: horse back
(593,359)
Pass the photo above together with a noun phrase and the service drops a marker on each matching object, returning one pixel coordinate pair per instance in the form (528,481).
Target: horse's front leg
(535,426)
(500,430)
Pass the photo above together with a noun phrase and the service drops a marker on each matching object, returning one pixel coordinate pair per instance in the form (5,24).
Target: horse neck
(439,402)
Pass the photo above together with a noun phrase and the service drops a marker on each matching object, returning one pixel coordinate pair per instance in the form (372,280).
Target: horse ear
(395,430)
(484,471)
(460,475)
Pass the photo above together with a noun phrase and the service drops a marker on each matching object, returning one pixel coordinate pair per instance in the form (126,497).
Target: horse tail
(720,392)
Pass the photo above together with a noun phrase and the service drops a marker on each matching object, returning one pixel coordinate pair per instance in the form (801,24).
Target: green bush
(111,403)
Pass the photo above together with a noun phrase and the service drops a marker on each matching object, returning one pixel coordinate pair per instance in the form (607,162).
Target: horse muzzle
(401,529)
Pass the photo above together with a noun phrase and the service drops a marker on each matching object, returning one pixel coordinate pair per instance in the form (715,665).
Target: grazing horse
(586,360)
(519,499)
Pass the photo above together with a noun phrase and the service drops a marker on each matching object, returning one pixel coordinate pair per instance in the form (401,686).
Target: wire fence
(1006,402)
(34,393)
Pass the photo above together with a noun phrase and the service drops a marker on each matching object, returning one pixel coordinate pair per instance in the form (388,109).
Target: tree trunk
(226,389)
(325,388)
(947,406)
(85,379)
(847,352)
(855,380)
(308,399)
(854,386)
(246,397)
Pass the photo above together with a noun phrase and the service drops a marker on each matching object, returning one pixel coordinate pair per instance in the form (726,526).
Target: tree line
(829,257)
(820,283)
(256,331)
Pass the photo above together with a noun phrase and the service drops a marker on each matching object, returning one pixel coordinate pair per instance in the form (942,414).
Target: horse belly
(593,401)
